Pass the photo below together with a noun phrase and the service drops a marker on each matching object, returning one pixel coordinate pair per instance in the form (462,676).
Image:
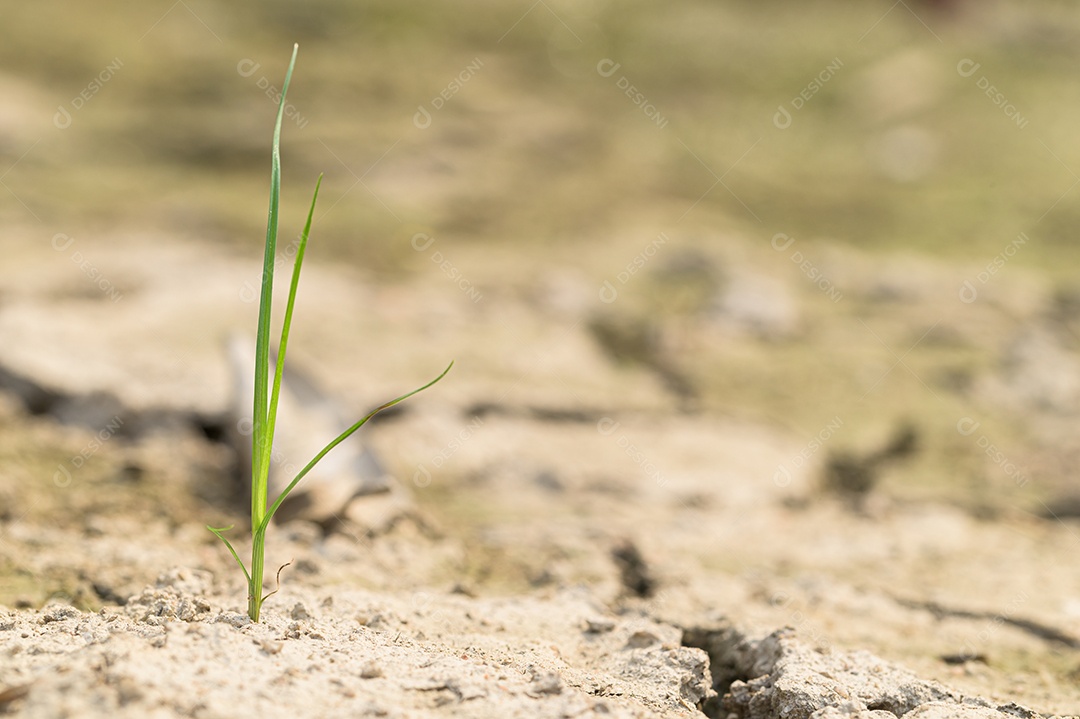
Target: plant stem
(255,587)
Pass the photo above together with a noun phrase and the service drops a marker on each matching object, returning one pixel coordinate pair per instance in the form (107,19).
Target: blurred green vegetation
(896,150)
(540,156)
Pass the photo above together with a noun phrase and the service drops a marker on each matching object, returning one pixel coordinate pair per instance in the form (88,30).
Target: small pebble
(271,646)
(59,613)
(599,625)
(128,690)
(546,683)
(641,639)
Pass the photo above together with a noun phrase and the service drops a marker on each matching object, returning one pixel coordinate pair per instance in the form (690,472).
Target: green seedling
(266,394)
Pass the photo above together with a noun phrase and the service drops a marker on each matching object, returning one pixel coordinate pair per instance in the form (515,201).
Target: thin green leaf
(287,323)
(341,438)
(218,532)
(263,423)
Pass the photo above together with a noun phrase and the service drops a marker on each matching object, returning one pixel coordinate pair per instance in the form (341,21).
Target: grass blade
(287,323)
(218,532)
(262,421)
(341,438)
(262,437)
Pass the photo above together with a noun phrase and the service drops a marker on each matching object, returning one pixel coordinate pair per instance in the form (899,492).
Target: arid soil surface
(575,526)
(767,356)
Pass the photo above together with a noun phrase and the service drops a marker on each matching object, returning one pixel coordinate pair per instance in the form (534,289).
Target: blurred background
(868,125)
(827,246)
(878,166)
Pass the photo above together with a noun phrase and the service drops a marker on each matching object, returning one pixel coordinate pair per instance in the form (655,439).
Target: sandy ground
(171,652)
(750,416)
(564,540)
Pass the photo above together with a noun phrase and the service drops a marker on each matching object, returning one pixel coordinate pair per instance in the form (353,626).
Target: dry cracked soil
(574,527)
(751,417)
